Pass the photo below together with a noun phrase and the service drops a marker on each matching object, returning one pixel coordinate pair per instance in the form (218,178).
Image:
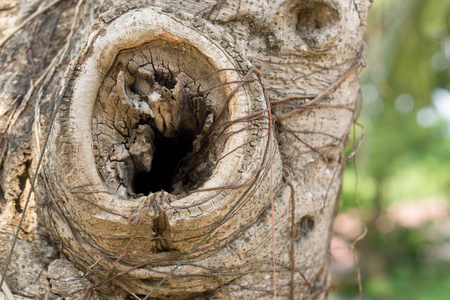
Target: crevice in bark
(2,199)
(22,179)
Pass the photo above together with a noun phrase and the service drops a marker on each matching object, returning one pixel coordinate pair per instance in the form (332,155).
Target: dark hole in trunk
(168,153)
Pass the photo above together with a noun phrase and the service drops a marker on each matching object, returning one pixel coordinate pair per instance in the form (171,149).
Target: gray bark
(203,135)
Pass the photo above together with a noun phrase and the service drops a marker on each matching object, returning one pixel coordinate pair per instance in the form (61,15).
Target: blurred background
(401,173)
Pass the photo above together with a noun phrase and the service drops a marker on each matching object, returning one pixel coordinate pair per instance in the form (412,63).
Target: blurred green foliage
(405,155)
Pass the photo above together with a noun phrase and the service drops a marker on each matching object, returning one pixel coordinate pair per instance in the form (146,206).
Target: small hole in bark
(317,23)
(304,227)
(168,153)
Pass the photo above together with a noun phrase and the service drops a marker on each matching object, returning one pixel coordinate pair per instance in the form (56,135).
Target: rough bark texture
(200,135)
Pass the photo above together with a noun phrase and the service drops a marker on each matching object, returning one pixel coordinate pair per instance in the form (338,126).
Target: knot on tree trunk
(162,147)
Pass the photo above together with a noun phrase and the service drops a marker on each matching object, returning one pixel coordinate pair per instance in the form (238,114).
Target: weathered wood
(164,134)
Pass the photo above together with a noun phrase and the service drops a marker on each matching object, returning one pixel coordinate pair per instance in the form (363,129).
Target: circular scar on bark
(157,141)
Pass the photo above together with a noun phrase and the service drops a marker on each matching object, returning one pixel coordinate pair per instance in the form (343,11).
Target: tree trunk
(196,149)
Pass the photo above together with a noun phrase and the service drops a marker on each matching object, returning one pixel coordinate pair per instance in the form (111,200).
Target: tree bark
(196,149)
